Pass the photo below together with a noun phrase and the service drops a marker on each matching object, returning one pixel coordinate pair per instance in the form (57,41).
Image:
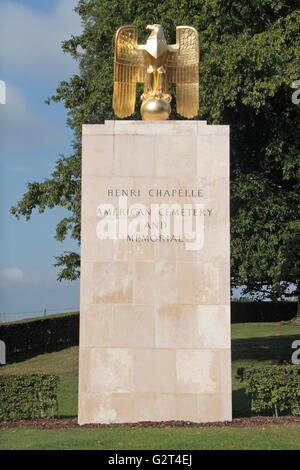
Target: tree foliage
(249,57)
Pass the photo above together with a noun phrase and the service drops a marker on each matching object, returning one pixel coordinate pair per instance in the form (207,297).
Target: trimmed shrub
(244,312)
(28,396)
(40,336)
(275,388)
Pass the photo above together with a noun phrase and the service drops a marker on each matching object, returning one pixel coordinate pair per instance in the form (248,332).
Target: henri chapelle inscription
(156,192)
(171,221)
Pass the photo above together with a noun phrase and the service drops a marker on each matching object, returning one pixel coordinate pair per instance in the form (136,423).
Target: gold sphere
(155,109)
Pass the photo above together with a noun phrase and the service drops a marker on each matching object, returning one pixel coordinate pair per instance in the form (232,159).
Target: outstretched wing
(129,69)
(183,69)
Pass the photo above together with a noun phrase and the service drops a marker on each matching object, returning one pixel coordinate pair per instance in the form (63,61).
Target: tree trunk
(298,309)
(297,316)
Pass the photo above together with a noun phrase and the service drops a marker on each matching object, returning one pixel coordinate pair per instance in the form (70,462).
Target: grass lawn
(266,437)
(253,344)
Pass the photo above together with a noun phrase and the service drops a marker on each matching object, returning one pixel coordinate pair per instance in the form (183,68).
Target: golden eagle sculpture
(156,64)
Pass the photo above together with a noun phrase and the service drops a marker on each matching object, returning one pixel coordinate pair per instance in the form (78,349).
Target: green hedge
(275,388)
(57,332)
(244,312)
(40,336)
(28,396)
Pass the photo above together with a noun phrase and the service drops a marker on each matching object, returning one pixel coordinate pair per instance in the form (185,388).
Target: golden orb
(155,109)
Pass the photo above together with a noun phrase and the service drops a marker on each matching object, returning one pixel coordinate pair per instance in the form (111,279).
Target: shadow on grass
(240,404)
(271,348)
(62,416)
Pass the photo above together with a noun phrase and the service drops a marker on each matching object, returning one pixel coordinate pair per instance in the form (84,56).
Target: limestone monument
(155,274)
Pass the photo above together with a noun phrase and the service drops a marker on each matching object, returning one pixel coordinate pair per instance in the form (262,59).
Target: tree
(249,57)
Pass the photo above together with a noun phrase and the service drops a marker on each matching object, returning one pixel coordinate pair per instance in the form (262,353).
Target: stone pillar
(155,310)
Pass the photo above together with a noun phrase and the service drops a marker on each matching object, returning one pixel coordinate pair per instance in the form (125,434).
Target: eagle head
(156,42)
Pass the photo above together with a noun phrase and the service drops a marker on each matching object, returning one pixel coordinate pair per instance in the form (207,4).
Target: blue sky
(32,135)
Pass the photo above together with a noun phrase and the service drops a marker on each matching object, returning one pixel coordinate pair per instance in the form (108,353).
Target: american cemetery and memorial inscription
(155,276)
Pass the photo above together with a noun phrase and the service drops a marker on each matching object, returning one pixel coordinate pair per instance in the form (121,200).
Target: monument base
(155,309)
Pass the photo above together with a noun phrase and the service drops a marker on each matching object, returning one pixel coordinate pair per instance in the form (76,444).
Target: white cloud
(31,41)
(21,128)
(11,275)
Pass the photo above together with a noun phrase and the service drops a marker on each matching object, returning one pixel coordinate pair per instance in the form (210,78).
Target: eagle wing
(183,70)
(129,69)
